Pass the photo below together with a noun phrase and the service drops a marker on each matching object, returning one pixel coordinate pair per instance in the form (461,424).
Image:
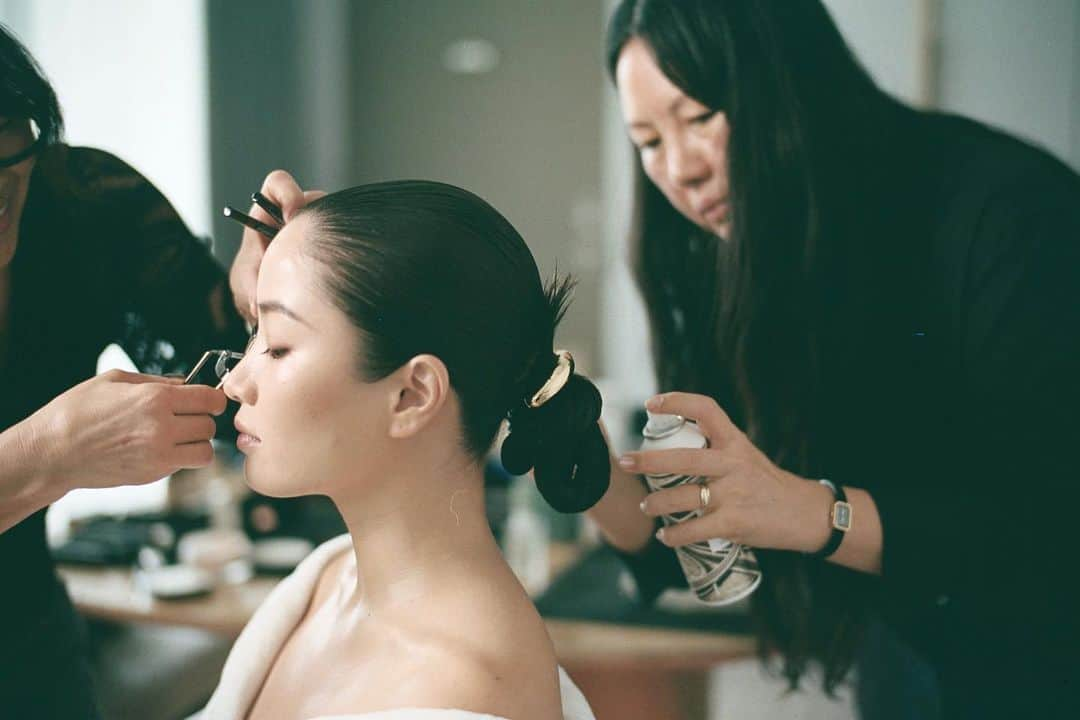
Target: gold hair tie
(559,377)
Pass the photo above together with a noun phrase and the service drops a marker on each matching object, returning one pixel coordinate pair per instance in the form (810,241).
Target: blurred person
(90,254)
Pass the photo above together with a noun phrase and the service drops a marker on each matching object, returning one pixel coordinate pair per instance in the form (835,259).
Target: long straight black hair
(739,319)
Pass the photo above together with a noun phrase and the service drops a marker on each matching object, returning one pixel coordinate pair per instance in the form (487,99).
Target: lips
(246,436)
(712,207)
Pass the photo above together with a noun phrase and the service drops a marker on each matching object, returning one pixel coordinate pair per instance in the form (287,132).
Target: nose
(686,165)
(238,385)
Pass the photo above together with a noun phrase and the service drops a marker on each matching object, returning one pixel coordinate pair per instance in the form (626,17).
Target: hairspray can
(718,571)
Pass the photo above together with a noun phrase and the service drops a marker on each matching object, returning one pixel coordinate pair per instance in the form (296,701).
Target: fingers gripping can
(719,571)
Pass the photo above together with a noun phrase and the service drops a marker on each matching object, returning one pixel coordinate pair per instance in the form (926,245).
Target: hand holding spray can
(719,571)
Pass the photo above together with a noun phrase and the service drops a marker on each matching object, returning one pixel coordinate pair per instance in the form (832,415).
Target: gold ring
(704,493)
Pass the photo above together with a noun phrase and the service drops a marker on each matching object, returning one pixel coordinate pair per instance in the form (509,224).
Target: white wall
(1015,65)
(131,77)
(884,35)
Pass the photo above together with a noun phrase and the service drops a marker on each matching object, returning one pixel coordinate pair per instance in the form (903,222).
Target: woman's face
(683,144)
(306,421)
(15,136)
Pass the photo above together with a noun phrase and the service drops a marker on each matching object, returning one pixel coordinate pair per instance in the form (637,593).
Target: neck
(418,534)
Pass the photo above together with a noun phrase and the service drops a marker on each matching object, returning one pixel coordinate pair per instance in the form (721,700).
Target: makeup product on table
(719,571)
(175,582)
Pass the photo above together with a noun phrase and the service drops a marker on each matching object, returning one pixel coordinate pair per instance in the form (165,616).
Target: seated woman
(399,324)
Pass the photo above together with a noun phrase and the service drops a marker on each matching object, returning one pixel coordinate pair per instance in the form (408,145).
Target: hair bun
(519,448)
(562,441)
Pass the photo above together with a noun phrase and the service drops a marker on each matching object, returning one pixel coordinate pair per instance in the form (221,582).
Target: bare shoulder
(331,576)
(495,659)
(491,685)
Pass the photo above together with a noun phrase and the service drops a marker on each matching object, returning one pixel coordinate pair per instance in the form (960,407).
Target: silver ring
(704,494)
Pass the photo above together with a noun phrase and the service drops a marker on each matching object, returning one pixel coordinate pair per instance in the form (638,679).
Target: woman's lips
(247,442)
(245,439)
(716,211)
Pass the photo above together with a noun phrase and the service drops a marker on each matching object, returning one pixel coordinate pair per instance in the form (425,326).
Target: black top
(953,383)
(102,258)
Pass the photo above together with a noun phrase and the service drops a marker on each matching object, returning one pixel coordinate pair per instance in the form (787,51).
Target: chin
(275,483)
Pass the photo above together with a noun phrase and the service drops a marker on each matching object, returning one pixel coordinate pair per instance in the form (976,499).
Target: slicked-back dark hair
(423,267)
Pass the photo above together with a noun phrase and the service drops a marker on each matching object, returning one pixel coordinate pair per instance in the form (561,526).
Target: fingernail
(626,461)
(660,534)
(654,402)
(642,506)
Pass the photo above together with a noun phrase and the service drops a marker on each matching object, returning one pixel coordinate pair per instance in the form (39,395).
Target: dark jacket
(952,380)
(102,258)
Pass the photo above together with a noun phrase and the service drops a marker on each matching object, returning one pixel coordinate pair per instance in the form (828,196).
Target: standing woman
(90,253)
(839,286)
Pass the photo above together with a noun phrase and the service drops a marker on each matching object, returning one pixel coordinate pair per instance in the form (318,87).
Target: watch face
(842,516)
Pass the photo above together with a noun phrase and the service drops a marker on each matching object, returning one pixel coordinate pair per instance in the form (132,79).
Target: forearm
(25,486)
(618,514)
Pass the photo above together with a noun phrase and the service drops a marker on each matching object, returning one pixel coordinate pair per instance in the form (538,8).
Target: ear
(422,389)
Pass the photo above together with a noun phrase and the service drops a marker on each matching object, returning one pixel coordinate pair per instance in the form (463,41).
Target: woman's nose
(685,164)
(238,385)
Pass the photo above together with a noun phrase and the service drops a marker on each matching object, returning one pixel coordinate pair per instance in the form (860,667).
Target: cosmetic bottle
(719,571)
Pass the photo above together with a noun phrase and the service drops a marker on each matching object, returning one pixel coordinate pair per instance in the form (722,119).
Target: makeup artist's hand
(118,428)
(121,428)
(752,501)
(281,188)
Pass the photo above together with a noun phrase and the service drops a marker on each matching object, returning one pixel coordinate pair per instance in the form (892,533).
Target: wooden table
(626,672)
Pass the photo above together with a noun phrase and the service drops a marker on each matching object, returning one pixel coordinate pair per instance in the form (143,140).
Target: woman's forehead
(641,82)
(286,272)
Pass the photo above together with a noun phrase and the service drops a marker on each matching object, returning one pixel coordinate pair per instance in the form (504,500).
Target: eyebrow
(274,306)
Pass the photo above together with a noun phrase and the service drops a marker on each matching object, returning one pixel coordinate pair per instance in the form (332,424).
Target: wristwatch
(839,518)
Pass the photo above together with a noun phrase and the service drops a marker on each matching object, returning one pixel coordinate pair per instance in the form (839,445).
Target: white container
(718,571)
